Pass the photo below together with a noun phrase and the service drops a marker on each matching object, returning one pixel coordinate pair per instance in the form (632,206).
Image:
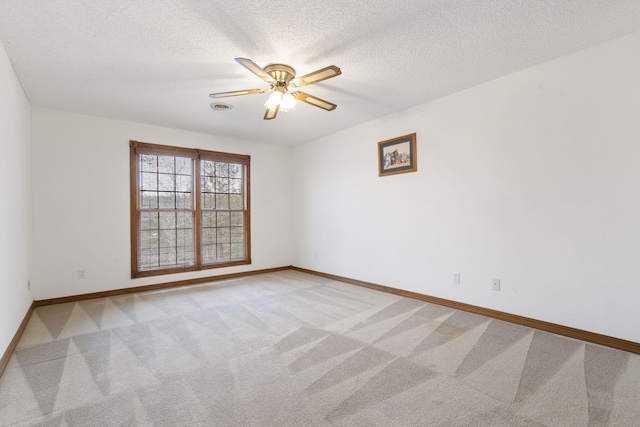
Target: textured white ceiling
(156,61)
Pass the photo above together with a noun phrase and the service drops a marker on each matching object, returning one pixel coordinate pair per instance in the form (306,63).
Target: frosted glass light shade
(287,103)
(274,100)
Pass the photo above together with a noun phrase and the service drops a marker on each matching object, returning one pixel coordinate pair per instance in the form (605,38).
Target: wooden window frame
(136,148)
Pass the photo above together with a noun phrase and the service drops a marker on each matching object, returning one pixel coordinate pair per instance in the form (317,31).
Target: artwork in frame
(397,155)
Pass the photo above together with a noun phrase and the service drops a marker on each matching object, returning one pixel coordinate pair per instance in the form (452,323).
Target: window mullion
(197,220)
(159,244)
(246,181)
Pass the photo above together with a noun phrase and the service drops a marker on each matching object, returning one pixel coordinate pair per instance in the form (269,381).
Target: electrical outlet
(81,274)
(495,284)
(455,278)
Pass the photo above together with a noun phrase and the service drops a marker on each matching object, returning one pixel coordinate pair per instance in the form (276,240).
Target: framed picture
(397,155)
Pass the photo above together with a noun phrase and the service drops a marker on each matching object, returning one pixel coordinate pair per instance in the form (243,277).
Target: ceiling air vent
(220,107)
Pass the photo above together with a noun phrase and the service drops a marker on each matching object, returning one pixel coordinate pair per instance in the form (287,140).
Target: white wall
(15,202)
(81,201)
(533,178)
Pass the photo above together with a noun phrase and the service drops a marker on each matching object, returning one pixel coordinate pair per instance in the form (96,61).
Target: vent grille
(216,106)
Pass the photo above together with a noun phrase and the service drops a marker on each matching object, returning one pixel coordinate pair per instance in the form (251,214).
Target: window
(189,209)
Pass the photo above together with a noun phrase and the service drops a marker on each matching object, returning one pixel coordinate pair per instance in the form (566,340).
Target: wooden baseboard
(82,297)
(592,337)
(4,361)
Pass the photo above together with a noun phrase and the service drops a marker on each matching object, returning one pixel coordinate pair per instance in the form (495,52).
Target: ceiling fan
(284,84)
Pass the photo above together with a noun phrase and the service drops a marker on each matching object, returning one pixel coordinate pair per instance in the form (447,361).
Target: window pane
(185,220)
(235,170)
(148,163)
(183,201)
(167,220)
(208,253)
(185,256)
(149,239)
(237,234)
(184,183)
(148,258)
(235,186)
(168,239)
(222,201)
(208,219)
(223,219)
(237,250)
(235,201)
(149,220)
(222,185)
(185,238)
(209,201)
(166,164)
(222,169)
(207,184)
(207,167)
(149,200)
(149,181)
(184,166)
(168,256)
(236,218)
(223,235)
(224,251)
(166,200)
(208,236)
(166,182)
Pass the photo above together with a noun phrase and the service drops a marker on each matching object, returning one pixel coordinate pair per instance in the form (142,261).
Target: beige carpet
(291,349)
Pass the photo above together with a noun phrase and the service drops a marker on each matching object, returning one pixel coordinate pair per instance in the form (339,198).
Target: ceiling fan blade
(271,113)
(256,69)
(317,102)
(236,93)
(317,76)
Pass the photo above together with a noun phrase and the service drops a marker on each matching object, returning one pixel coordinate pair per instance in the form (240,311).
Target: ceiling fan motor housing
(282,74)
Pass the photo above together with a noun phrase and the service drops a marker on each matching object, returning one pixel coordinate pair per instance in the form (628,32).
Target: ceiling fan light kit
(288,102)
(284,85)
(274,100)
